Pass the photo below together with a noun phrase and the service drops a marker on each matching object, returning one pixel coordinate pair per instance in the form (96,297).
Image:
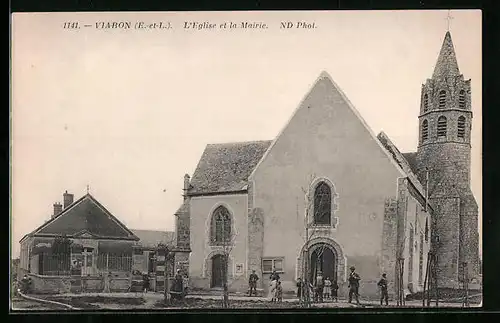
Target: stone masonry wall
(447,229)
(50,284)
(182,228)
(255,242)
(389,241)
(469,239)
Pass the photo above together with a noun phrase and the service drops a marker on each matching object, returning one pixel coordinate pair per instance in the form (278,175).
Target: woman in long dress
(272,288)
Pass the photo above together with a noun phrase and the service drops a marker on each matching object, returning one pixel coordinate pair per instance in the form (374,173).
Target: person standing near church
(274,276)
(252,283)
(334,291)
(107,282)
(354,279)
(300,287)
(382,283)
(328,286)
(320,286)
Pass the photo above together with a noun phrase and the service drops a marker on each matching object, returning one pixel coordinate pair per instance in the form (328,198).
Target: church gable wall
(201,209)
(325,139)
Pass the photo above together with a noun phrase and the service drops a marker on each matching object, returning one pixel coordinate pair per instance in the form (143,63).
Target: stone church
(327,194)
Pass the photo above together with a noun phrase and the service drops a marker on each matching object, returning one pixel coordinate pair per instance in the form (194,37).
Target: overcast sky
(129,112)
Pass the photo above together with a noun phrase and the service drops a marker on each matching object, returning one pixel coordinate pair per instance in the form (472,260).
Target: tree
(166,249)
(226,245)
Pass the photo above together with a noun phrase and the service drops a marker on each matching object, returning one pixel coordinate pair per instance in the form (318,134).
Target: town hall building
(327,194)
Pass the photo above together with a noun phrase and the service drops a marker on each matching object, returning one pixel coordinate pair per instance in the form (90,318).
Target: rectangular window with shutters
(270,264)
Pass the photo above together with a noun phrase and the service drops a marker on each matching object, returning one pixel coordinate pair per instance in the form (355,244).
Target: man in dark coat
(274,276)
(300,287)
(252,283)
(319,287)
(382,283)
(354,285)
(145,282)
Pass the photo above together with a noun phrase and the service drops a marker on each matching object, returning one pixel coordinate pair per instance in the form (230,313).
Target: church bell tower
(443,161)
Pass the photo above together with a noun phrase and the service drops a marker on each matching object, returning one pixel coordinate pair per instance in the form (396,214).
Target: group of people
(24,285)
(275,290)
(177,286)
(323,288)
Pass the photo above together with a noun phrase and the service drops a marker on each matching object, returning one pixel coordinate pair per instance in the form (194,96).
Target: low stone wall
(50,284)
(119,285)
(76,284)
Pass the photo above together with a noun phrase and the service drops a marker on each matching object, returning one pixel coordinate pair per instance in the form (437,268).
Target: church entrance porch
(323,259)
(322,254)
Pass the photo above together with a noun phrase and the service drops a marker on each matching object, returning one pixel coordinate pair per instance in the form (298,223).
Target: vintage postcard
(279,159)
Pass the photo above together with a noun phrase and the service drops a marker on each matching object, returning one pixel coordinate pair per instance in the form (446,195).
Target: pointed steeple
(447,61)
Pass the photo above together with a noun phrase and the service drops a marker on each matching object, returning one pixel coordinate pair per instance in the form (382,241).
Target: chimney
(67,199)
(57,209)
(187,185)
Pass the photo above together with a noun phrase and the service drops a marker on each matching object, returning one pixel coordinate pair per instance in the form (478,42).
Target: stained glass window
(221,225)
(322,204)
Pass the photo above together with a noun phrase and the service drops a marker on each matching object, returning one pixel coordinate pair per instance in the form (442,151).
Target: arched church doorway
(324,259)
(219,271)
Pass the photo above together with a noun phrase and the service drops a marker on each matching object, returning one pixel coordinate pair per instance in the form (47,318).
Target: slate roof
(446,64)
(411,158)
(226,167)
(85,215)
(401,161)
(151,238)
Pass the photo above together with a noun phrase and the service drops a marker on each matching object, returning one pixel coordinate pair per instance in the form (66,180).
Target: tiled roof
(86,215)
(151,238)
(226,167)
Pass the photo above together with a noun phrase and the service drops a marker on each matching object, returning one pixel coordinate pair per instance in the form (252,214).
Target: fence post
(107,263)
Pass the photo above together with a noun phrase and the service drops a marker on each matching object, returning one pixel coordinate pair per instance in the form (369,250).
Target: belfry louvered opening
(461,127)
(425,130)
(461,100)
(441,126)
(442,99)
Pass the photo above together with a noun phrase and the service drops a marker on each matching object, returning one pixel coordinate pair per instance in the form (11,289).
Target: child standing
(334,288)
(279,292)
(327,290)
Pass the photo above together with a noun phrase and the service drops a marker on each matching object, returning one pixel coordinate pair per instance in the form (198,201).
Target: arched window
(461,127)
(426,103)
(441,126)
(322,204)
(425,130)
(442,99)
(220,225)
(461,99)
(426,231)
